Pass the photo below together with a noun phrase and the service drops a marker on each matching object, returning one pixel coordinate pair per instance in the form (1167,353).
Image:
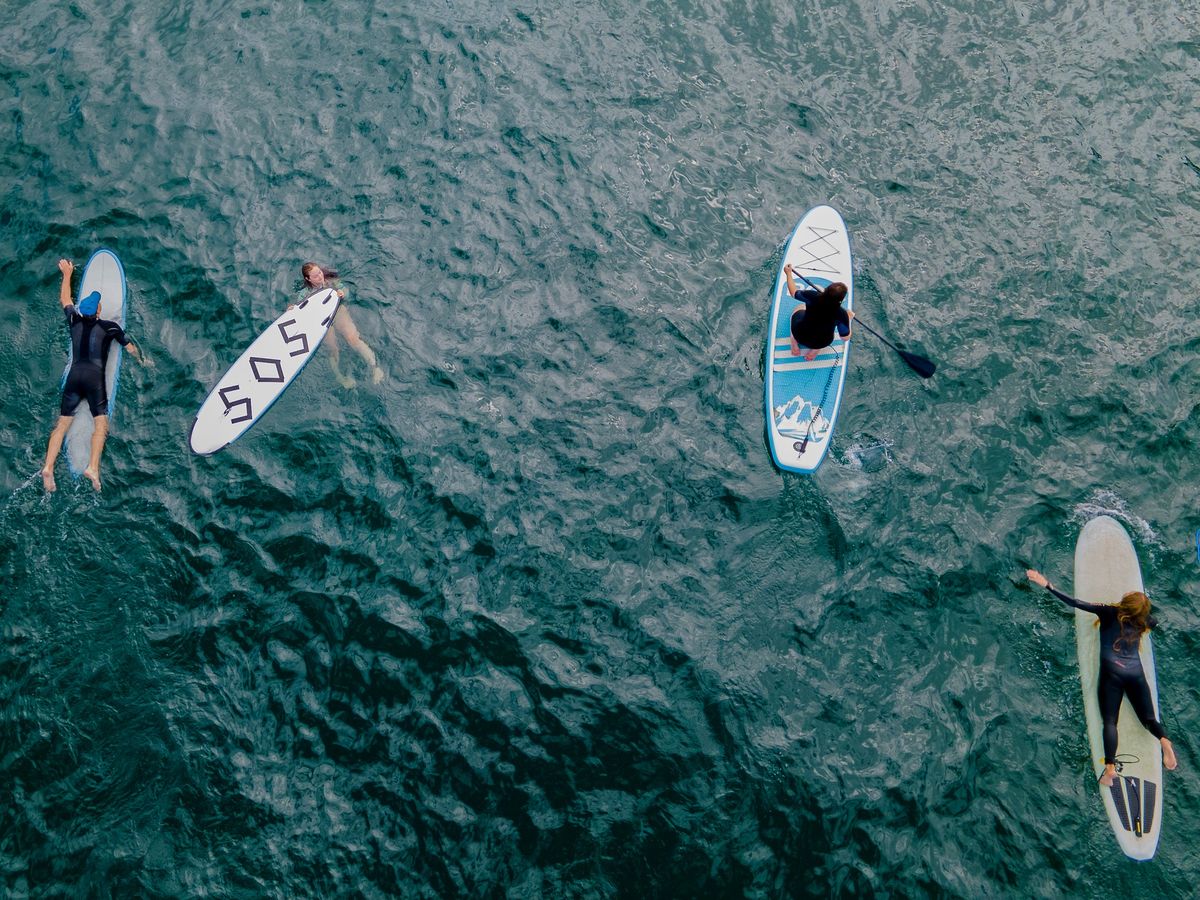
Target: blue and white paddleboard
(262,373)
(803,397)
(103,273)
(1106,569)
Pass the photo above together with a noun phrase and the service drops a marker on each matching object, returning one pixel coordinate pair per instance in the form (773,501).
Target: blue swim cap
(89,304)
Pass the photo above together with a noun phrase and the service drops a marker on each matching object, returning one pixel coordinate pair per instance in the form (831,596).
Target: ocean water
(536,616)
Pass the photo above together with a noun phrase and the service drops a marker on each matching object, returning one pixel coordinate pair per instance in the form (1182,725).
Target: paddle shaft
(918,364)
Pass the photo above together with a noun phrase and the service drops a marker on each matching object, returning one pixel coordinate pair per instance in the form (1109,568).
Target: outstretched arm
(1041,581)
(64,293)
(143,360)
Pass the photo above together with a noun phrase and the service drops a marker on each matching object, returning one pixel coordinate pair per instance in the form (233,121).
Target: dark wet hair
(309,266)
(834,293)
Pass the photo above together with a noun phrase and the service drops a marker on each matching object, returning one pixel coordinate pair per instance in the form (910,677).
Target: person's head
(315,275)
(1133,612)
(90,305)
(835,293)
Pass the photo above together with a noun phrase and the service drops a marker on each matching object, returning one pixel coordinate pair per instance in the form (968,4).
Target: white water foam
(870,457)
(1109,503)
(7,505)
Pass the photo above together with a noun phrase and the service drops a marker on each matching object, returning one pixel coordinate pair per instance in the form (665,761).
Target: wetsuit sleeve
(1096,609)
(843,322)
(69,313)
(117,333)
(806,295)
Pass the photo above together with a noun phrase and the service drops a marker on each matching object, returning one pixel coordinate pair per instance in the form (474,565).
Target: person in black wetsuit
(1121,675)
(91,338)
(813,323)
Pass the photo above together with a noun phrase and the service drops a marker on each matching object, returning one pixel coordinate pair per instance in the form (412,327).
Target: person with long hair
(317,277)
(1121,675)
(814,321)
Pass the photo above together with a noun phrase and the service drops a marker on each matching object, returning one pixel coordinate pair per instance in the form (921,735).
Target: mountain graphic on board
(792,420)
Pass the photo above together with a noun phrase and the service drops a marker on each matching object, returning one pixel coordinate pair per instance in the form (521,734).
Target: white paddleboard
(104,273)
(262,373)
(803,397)
(1106,568)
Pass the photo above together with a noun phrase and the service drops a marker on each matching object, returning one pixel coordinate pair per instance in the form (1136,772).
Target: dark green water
(537,616)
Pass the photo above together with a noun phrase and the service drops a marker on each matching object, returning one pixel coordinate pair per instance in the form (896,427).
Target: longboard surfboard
(1106,568)
(803,397)
(103,272)
(262,373)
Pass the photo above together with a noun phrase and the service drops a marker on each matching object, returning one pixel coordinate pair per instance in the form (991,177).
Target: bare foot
(1169,759)
(376,375)
(93,476)
(48,481)
(811,355)
(1109,776)
(795,348)
(347,382)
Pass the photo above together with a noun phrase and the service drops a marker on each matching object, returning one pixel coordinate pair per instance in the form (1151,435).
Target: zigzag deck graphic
(810,262)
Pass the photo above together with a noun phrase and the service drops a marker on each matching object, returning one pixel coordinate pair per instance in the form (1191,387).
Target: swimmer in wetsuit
(1121,675)
(316,278)
(91,338)
(813,323)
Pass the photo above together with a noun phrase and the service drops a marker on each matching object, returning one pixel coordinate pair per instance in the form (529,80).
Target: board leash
(824,397)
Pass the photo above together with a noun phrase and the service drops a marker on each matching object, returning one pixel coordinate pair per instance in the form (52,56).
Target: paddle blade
(919,364)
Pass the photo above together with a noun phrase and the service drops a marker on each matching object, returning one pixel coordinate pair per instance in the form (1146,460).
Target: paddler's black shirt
(812,324)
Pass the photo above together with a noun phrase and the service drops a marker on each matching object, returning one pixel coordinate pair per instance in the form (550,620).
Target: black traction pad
(1119,799)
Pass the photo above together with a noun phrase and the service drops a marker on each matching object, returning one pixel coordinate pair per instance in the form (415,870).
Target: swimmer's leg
(335,355)
(53,449)
(345,325)
(92,472)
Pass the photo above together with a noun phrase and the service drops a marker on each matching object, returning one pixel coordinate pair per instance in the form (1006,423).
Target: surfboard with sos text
(262,373)
(803,396)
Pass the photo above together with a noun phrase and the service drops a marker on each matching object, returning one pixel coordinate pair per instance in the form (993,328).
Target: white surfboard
(262,373)
(1106,568)
(104,273)
(803,396)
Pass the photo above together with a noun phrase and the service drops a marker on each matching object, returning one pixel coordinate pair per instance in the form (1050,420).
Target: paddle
(919,364)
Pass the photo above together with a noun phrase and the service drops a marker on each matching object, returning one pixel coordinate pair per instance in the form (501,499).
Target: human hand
(341,294)
(66,267)
(788,269)
(1037,577)
(850,313)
